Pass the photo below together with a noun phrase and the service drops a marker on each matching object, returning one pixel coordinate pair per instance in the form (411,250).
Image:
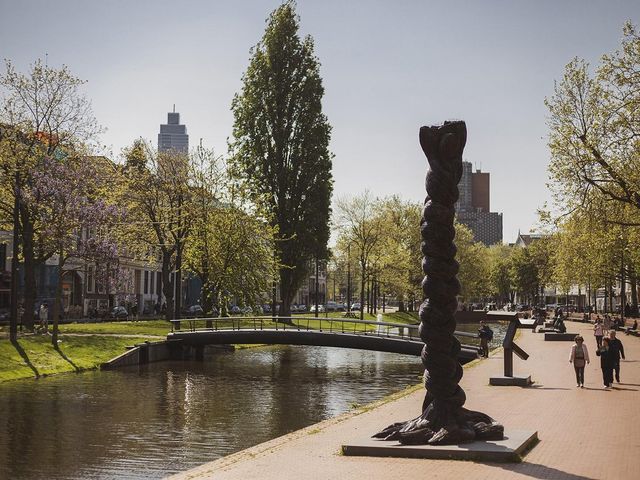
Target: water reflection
(151,421)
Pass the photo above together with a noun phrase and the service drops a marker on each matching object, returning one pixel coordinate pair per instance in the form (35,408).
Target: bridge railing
(322,324)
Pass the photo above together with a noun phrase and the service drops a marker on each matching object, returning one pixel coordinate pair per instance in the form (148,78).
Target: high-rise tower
(173,135)
(472,207)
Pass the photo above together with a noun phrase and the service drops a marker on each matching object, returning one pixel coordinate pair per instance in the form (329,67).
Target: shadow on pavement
(542,387)
(542,472)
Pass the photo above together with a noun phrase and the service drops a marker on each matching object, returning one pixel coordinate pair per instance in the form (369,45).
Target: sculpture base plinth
(559,337)
(511,449)
(515,381)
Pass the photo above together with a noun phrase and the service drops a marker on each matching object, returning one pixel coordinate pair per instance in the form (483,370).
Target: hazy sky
(388,68)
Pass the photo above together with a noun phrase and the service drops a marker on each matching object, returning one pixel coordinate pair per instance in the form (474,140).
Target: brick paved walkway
(585,433)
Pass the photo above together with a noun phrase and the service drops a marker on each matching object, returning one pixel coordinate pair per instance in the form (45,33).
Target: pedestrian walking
(579,357)
(607,323)
(43,313)
(486,335)
(606,363)
(598,331)
(616,350)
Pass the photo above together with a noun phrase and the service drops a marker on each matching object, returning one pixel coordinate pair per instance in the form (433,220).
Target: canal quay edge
(251,453)
(561,414)
(149,352)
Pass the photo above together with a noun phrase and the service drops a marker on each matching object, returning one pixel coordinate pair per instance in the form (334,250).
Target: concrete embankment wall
(148,352)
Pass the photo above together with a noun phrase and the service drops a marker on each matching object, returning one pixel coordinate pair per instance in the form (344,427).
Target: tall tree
(159,195)
(43,112)
(361,224)
(399,252)
(594,124)
(229,249)
(280,147)
(70,205)
(474,264)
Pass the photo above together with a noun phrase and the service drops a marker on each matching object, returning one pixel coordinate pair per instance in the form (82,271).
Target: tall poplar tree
(280,148)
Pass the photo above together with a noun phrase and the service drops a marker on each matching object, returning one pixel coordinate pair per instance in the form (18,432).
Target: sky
(388,68)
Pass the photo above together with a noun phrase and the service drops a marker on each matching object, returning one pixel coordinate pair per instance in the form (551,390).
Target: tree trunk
(363,266)
(57,302)
(286,292)
(623,290)
(633,279)
(167,285)
(178,283)
(30,266)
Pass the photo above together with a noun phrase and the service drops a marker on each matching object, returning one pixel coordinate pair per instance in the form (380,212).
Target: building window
(151,285)
(159,284)
(146,282)
(90,280)
(3,256)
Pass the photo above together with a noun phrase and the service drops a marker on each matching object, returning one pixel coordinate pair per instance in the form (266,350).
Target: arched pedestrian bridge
(321,331)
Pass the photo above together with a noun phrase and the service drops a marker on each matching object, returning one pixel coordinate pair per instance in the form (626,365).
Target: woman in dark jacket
(607,362)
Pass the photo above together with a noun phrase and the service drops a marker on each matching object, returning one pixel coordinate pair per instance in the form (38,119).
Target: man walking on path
(485,334)
(617,350)
(43,313)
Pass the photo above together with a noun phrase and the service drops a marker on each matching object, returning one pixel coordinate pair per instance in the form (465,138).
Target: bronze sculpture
(444,420)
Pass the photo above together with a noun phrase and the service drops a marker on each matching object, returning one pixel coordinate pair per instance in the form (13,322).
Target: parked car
(312,309)
(235,310)
(119,313)
(247,310)
(356,306)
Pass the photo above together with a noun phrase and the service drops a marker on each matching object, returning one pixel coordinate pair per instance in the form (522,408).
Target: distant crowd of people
(608,347)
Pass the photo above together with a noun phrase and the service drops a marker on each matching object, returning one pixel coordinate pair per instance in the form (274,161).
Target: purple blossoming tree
(69,194)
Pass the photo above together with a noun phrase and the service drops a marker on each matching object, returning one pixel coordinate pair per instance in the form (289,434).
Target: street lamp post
(349,278)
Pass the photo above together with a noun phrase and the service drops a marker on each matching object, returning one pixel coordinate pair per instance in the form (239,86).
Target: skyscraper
(472,207)
(173,135)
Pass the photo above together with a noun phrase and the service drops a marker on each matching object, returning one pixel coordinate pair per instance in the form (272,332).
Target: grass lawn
(34,356)
(144,327)
(98,342)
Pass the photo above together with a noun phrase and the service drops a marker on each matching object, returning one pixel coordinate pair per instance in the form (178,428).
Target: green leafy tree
(500,284)
(524,273)
(159,195)
(42,114)
(594,125)
(399,254)
(280,147)
(474,264)
(361,225)
(229,249)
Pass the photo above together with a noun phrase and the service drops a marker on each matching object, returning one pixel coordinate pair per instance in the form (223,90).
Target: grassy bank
(34,356)
(85,346)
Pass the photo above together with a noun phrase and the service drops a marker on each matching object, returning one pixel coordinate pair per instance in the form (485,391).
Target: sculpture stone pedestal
(514,445)
(559,337)
(514,381)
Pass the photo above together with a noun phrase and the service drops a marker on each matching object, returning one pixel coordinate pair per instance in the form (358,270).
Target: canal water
(158,419)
